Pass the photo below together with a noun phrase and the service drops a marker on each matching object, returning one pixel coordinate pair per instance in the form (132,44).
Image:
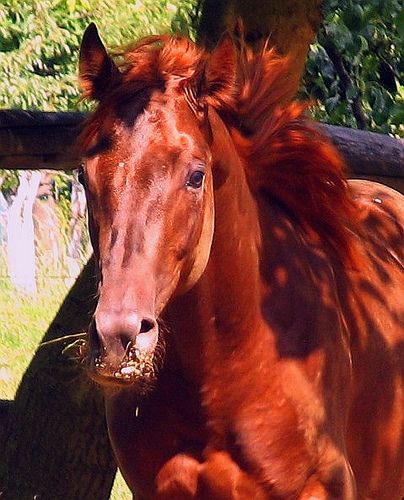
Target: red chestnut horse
(230,244)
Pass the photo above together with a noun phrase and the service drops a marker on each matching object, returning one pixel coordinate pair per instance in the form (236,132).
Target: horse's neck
(224,308)
(233,275)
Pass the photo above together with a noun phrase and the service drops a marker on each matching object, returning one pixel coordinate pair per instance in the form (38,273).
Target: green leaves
(39,42)
(367,36)
(400,23)
(341,35)
(353,17)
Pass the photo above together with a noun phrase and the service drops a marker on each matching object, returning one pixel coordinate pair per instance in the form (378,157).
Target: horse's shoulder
(381,217)
(378,199)
(300,298)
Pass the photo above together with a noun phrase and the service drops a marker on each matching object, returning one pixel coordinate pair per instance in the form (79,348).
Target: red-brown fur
(284,152)
(284,367)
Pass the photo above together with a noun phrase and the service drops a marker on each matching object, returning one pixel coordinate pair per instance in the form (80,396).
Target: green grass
(120,491)
(23,322)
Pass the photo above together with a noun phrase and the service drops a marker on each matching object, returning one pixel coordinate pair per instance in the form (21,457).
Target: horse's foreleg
(336,485)
(178,479)
(221,478)
(218,478)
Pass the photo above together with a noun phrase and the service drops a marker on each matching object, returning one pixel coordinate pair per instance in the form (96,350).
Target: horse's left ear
(97,71)
(219,86)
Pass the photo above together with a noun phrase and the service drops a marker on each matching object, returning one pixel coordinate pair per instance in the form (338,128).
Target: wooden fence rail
(40,140)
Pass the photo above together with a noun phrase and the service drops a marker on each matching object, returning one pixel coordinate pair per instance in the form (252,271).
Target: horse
(249,330)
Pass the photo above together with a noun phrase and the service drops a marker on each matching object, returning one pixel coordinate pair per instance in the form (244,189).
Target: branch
(5,407)
(346,83)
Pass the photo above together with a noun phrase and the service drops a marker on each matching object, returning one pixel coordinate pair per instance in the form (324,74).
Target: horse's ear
(220,73)
(97,71)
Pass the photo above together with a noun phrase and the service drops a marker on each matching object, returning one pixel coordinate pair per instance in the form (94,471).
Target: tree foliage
(354,71)
(39,41)
(356,68)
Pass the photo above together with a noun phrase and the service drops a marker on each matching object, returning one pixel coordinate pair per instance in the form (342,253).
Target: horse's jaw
(198,260)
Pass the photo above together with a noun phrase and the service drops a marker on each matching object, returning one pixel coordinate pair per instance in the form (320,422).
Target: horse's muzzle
(121,348)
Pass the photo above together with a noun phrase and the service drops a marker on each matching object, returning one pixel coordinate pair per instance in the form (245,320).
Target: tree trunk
(77,214)
(20,234)
(289,25)
(55,444)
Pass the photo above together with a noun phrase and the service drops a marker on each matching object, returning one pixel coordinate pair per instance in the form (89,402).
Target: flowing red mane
(284,153)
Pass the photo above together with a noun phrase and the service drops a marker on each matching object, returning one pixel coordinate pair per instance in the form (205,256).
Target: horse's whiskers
(129,349)
(159,354)
(77,350)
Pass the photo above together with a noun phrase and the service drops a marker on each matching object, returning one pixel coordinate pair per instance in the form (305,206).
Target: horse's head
(148,179)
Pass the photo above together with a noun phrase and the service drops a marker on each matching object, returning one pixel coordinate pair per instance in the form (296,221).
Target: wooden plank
(368,153)
(36,140)
(21,118)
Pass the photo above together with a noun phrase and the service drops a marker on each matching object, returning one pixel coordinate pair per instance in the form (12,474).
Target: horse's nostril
(125,340)
(146,325)
(115,336)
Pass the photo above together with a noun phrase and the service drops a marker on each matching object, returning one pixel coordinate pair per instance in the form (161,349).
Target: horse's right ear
(97,71)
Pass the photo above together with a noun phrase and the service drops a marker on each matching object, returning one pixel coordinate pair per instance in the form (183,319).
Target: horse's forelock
(158,59)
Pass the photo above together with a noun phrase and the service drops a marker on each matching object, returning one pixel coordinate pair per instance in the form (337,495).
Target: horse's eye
(196,179)
(80,175)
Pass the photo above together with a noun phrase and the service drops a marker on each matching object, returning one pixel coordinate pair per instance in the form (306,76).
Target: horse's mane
(284,152)
(288,156)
